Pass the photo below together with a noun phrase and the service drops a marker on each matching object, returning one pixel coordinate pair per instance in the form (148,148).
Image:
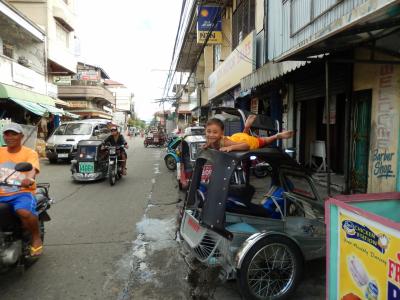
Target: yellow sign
(369,259)
(240,63)
(215,37)
(78,104)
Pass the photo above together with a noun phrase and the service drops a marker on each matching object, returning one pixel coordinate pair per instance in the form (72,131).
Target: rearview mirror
(96,132)
(23,167)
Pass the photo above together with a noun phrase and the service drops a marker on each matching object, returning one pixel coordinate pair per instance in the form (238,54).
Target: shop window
(243,21)
(62,34)
(8,50)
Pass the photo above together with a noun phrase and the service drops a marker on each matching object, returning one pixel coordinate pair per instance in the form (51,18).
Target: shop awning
(53,110)
(269,72)
(32,107)
(9,91)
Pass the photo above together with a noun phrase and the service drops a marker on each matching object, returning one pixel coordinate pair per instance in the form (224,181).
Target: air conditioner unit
(24,61)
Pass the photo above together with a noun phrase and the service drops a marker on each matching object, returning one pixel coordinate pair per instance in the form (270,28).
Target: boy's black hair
(215,121)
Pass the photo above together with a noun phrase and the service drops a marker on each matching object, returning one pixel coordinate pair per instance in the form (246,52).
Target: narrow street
(120,242)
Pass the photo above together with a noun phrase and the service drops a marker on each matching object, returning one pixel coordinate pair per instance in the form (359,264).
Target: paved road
(120,242)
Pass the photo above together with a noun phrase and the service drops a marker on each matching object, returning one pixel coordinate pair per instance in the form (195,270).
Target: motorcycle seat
(8,219)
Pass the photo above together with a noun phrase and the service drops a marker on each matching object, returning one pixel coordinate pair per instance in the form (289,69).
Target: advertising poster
(209,20)
(369,259)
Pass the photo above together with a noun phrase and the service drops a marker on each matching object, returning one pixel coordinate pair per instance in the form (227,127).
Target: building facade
(58,20)
(86,93)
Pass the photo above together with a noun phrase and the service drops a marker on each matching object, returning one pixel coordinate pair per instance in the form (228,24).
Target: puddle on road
(161,233)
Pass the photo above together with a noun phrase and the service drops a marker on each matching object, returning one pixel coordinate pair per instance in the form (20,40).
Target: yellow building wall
(384,80)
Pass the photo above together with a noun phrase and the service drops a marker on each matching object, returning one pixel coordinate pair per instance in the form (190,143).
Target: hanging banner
(209,18)
(369,259)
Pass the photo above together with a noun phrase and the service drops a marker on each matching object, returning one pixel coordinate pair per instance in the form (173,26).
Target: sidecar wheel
(170,162)
(271,269)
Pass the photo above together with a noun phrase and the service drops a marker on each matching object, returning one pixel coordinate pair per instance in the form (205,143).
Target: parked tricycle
(188,149)
(259,231)
(172,156)
(156,138)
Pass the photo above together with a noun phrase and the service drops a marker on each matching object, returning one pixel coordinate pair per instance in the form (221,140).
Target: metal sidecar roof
(90,143)
(194,138)
(224,164)
(261,122)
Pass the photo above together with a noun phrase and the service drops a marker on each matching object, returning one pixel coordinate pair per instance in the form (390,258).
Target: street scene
(233,149)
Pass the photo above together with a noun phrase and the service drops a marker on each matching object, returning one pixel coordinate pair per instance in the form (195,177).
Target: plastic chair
(317,149)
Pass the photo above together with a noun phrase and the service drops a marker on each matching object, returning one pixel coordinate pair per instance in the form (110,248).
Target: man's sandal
(35,252)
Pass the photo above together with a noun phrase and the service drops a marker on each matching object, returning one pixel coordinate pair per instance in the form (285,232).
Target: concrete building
(57,19)
(292,60)
(23,96)
(22,51)
(123,101)
(86,93)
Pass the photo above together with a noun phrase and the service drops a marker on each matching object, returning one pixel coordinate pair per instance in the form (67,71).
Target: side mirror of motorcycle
(23,167)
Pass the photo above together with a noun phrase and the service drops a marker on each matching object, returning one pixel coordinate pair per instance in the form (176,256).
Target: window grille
(243,21)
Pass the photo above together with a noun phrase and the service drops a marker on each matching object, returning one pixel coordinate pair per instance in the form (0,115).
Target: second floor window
(62,35)
(243,21)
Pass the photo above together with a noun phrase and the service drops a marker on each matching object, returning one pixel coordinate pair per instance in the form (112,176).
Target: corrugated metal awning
(269,72)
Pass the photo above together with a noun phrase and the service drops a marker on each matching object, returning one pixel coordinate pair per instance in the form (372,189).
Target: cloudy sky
(132,41)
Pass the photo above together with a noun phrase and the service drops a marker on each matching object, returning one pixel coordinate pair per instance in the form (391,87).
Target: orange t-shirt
(7,163)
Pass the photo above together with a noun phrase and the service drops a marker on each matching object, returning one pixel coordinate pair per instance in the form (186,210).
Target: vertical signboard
(209,21)
(369,259)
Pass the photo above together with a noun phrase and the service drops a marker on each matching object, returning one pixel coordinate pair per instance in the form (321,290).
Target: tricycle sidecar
(188,150)
(262,243)
(172,156)
(91,161)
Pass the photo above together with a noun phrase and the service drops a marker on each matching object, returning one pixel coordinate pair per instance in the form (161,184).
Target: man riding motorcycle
(21,196)
(118,140)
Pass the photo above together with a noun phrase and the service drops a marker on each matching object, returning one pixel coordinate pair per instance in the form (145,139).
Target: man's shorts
(21,201)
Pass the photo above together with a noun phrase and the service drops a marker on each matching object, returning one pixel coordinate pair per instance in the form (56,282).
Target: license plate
(62,155)
(86,167)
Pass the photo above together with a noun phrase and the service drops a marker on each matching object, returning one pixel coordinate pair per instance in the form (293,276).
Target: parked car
(62,144)
(260,239)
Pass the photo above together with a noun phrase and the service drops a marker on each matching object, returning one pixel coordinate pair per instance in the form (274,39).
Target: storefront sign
(78,104)
(62,80)
(369,259)
(209,18)
(237,65)
(92,75)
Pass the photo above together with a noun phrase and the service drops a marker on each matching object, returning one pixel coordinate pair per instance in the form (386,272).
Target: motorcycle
(114,163)
(14,240)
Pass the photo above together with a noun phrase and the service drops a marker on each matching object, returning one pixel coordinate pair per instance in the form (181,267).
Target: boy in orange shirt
(239,141)
(21,198)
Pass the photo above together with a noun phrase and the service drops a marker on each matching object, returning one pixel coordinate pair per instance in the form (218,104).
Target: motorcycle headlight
(112,151)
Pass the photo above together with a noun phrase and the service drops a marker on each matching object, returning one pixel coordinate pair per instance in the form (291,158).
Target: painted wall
(384,80)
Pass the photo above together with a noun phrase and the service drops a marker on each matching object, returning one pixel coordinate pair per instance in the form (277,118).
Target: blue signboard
(207,17)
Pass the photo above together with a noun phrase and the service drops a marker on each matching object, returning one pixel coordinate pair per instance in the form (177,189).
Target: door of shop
(360,141)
